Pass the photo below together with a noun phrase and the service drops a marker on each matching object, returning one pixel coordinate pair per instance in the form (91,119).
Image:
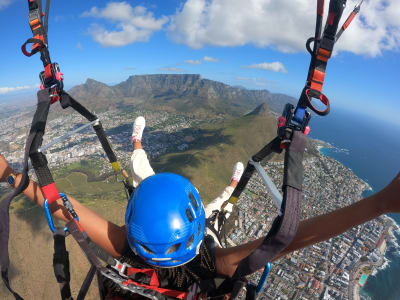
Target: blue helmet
(165,220)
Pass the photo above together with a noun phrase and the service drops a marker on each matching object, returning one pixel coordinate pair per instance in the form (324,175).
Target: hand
(390,196)
(5,169)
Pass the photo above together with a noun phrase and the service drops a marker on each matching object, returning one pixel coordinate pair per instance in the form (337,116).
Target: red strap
(47,71)
(331,18)
(320,7)
(149,272)
(170,293)
(79,225)
(50,192)
(349,19)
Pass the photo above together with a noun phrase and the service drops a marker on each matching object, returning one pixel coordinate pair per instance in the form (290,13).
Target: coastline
(388,233)
(321,145)
(381,264)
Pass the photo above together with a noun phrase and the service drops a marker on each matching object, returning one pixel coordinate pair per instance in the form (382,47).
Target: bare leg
(137,145)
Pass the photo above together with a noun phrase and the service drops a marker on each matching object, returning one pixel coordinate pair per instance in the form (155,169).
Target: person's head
(165,220)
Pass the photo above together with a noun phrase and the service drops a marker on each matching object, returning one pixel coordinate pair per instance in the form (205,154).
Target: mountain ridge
(182,92)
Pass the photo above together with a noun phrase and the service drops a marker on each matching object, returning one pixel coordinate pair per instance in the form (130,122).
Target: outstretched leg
(140,165)
(217,202)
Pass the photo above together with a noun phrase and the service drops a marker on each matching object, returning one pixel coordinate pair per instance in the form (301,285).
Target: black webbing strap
(321,53)
(284,226)
(86,283)
(36,131)
(264,154)
(81,238)
(67,101)
(61,268)
(349,19)
(61,263)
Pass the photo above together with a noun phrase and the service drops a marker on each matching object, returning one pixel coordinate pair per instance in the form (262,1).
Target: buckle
(120,268)
(292,119)
(55,80)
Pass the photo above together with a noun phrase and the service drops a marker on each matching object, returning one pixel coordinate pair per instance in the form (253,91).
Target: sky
(256,44)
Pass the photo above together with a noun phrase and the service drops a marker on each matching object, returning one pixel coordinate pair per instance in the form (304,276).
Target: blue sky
(257,44)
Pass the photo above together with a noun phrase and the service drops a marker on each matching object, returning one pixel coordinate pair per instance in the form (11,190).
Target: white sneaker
(138,127)
(237,171)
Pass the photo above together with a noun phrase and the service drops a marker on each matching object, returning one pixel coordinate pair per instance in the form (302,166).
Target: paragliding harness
(51,92)
(292,136)
(292,131)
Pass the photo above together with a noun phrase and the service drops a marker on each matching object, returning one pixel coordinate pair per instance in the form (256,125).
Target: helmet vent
(146,249)
(190,241)
(189,215)
(193,200)
(173,248)
(199,230)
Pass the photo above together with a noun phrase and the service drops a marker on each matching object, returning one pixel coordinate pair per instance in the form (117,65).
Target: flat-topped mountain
(181,92)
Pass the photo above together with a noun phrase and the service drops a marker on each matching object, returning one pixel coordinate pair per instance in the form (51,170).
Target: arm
(320,228)
(107,235)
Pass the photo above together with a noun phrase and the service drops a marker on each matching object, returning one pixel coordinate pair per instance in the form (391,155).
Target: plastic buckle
(292,120)
(67,205)
(296,119)
(56,81)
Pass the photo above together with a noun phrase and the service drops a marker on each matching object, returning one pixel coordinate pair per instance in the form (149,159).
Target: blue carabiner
(263,278)
(48,213)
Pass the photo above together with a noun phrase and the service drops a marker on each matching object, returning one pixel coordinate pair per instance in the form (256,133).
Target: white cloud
(172,69)
(275,66)
(4,3)
(6,90)
(210,59)
(284,24)
(193,62)
(133,24)
(255,82)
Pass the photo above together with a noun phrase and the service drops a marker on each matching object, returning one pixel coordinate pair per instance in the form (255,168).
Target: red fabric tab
(166,292)
(79,225)
(149,272)
(320,7)
(281,121)
(50,192)
(47,71)
(348,21)
(331,18)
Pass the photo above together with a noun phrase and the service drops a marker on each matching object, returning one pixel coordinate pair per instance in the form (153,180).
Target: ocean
(371,148)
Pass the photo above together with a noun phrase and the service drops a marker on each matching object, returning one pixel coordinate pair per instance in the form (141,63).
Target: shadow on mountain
(124,129)
(177,162)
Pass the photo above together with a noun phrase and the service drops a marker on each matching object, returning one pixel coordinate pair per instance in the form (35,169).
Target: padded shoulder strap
(284,227)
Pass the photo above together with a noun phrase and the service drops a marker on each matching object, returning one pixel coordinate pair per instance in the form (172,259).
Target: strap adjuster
(120,268)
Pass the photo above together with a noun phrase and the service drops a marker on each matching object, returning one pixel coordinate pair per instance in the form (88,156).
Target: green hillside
(208,164)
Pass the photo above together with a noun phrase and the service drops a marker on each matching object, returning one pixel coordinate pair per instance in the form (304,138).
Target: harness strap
(67,101)
(265,153)
(61,263)
(321,53)
(285,226)
(86,283)
(36,129)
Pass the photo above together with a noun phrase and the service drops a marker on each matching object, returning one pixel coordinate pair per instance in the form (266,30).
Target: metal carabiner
(67,205)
